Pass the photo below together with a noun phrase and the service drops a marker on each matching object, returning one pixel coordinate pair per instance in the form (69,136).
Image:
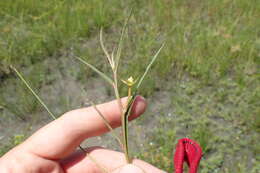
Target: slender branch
(104,170)
(107,124)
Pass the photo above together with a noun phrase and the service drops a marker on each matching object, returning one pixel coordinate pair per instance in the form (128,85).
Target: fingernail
(139,106)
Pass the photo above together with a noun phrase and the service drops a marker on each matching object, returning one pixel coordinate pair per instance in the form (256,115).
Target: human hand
(52,149)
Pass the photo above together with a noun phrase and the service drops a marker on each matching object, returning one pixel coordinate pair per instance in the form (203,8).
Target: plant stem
(123,118)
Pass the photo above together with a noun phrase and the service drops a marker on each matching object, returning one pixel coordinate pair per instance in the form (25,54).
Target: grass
(209,67)
(218,121)
(13,141)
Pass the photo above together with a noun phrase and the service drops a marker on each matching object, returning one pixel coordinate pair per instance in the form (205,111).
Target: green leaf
(107,124)
(96,70)
(149,66)
(32,91)
(111,61)
(120,44)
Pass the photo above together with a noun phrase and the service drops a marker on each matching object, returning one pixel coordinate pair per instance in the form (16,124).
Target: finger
(60,138)
(129,168)
(98,159)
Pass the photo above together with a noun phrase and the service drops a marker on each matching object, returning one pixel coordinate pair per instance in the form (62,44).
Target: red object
(188,151)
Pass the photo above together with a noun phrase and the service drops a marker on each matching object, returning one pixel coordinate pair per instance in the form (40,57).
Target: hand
(52,149)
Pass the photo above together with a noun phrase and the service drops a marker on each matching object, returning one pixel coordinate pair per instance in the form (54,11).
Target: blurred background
(204,84)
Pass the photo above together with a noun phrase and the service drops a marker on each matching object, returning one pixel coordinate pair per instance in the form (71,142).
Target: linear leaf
(104,48)
(120,44)
(32,91)
(107,124)
(149,66)
(96,70)
(36,96)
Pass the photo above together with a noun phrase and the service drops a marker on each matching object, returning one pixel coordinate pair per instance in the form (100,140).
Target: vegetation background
(204,85)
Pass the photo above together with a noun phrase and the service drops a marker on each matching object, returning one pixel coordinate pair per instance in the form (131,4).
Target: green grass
(217,117)
(13,141)
(209,67)
(33,30)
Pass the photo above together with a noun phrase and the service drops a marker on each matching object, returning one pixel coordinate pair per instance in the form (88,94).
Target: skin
(53,148)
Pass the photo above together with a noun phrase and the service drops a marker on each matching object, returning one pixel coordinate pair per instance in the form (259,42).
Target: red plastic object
(188,151)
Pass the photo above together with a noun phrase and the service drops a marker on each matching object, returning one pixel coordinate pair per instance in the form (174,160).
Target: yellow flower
(129,82)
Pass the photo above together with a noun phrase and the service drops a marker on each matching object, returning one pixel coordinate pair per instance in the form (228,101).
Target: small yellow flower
(129,82)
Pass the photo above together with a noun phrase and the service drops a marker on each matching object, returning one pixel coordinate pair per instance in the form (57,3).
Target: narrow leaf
(96,70)
(120,44)
(149,66)
(32,91)
(107,123)
(36,96)
(102,168)
(104,48)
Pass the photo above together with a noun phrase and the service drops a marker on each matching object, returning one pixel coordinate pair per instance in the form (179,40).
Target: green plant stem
(123,119)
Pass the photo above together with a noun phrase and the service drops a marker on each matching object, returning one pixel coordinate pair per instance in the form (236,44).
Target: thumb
(130,168)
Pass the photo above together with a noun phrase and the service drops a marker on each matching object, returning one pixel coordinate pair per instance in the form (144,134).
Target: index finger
(59,138)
